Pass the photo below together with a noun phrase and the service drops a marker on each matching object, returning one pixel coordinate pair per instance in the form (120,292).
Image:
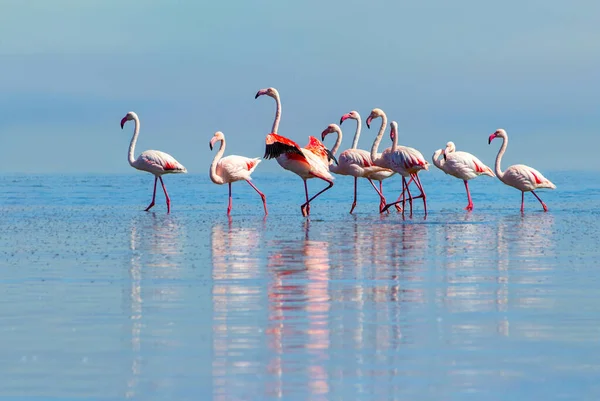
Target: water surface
(100,299)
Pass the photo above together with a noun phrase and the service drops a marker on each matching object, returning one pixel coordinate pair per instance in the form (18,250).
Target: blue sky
(72,69)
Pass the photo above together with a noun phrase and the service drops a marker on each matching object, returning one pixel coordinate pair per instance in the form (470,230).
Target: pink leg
(305,209)
(380,193)
(153,195)
(166,195)
(401,198)
(262,196)
(543,204)
(422,195)
(470,205)
(307,204)
(229,204)
(354,203)
(522,202)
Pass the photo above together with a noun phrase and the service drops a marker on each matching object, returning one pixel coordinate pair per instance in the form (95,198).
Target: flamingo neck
(217,179)
(134,138)
(277,114)
(338,141)
(439,163)
(357,133)
(395,141)
(378,138)
(499,172)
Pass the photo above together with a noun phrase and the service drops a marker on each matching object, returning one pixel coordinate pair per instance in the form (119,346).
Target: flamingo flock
(315,160)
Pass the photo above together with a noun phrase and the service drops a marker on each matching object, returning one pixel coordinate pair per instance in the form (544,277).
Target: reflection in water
(235,255)
(158,240)
(299,297)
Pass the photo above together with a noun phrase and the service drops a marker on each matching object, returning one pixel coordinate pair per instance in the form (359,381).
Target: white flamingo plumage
(229,169)
(520,176)
(461,165)
(311,161)
(356,162)
(406,161)
(152,161)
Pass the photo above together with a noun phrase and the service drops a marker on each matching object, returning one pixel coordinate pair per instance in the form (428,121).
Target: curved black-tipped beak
(330,156)
(210,145)
(341,120)
(444,156)
(368,125)
(257,95)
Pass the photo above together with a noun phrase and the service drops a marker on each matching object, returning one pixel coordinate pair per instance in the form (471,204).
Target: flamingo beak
(491,138)
(212,142)
(444,153)
(324,134)
(369,122)
(344,117)
(260,93)
(123,121)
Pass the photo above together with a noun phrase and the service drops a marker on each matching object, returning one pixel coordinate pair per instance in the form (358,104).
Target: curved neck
(439,163)
(499,172)
(395,141)
(379,136)
(134,138)
(338,141)
(277,114)
(357,133)
(213,167)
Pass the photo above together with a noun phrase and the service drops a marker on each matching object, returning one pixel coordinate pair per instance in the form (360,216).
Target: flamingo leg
(166,195)
(380,193)
(305,208)
(262,196)
(522,201)
(153,195)
(470,205)
(422,194)
(401,198)
(307,204)
(543,204)
(410,198)
(229,204)
(354,202)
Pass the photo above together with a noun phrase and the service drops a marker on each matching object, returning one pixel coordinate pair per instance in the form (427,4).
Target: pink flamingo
(519,176)
(407,162)
(461,165)
(152,161)
(311,161)
(232,168)
(356,162)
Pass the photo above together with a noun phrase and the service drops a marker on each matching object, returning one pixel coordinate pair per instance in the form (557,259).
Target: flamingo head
(374,114)
(500,133)
(449,149)
(330,128)
(130,116)
(218,136)
(272,92)
(393,130)
(352,115)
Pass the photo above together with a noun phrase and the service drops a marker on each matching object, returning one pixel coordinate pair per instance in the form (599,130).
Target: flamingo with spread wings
(226,170)
(153,161)
(311,161)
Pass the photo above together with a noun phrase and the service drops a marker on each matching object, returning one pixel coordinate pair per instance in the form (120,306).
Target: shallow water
(100,299)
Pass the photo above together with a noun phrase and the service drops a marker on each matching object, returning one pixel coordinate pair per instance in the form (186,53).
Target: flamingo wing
(235,168)
(320,150)
(466,166)
(358,157)
(526,178)
(156,161)
(276,145)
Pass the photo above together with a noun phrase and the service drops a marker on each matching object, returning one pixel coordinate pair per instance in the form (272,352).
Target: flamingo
(356,162)
(232,168)
(519,176)
(407,162)
(312,161)
(461,165)
(152,161)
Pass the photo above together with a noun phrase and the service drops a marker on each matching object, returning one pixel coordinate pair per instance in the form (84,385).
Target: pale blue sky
(71,69)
